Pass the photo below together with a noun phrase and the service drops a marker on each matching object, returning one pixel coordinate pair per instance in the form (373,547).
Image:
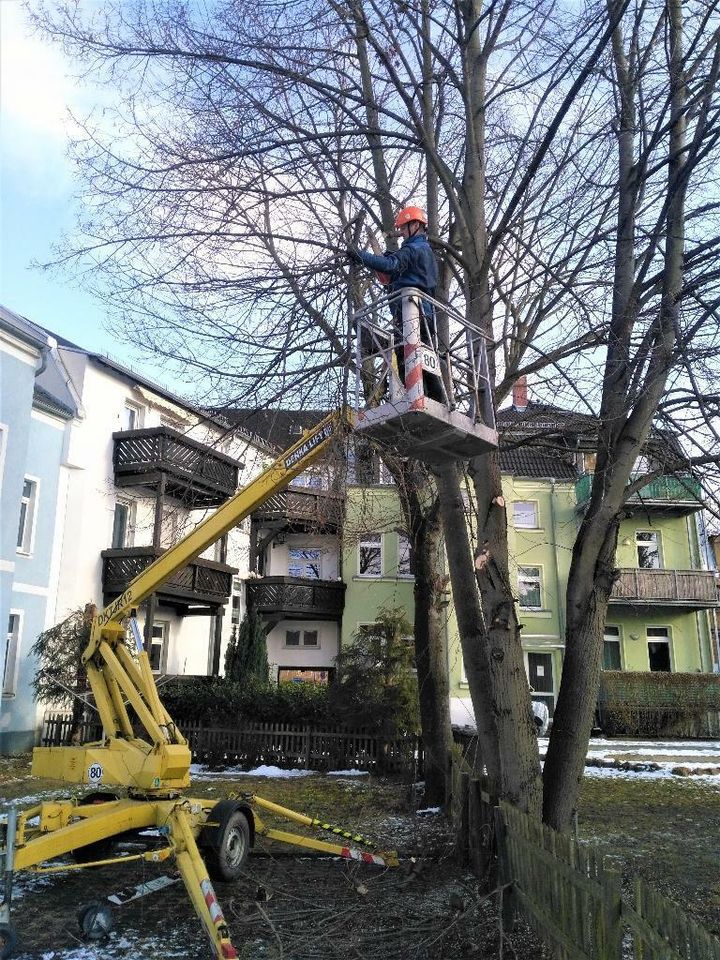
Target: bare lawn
(299,905)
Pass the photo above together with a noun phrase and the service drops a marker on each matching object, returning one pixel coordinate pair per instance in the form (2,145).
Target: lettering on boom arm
(108,613)
(304,449)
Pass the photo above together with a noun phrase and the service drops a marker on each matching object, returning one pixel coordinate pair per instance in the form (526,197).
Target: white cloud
(36,91)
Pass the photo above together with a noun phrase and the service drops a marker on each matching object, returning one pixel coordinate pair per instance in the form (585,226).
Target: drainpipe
(561,606)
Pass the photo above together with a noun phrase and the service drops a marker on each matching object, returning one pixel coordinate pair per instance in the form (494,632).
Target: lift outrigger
(209,837)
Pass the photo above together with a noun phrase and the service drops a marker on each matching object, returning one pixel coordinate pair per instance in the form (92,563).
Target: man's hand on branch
(353,254)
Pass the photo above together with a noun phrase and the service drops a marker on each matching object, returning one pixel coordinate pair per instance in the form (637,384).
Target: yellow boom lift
(210,837)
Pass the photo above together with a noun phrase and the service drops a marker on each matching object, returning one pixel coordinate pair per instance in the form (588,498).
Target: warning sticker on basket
(430,360)
(95,773)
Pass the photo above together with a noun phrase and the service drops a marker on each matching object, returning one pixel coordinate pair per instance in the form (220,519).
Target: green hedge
(657,704)
(216,700)
(221,702)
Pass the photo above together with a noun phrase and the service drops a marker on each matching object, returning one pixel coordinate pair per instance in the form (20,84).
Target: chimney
(520,399)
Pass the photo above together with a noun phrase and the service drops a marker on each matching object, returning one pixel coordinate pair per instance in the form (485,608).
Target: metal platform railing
(458,362)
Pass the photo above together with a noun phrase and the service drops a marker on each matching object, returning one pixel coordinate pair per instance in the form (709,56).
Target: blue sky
(36,187)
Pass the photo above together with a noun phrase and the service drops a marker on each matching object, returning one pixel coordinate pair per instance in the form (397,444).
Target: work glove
(353,254)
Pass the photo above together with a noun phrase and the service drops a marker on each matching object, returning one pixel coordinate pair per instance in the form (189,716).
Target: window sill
(383,578)
(23,553)
(529,529)
(9,696)
(303,647)
(534,612)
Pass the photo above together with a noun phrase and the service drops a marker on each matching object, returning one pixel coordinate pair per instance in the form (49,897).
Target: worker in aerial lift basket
(413,265)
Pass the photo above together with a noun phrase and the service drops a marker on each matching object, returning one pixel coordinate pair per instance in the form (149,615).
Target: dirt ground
(303,906)
(289,905)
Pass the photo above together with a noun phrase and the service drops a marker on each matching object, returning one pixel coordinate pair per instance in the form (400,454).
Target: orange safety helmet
(408,214)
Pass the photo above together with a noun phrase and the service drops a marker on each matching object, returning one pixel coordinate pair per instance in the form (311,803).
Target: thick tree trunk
(431,658)
(469,616)
(520,780)
(588,595)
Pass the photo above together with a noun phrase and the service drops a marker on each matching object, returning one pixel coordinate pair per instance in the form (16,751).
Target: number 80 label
(95,773)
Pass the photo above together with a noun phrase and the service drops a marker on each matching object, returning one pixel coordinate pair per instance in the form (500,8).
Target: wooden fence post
(505,878)
(308,746)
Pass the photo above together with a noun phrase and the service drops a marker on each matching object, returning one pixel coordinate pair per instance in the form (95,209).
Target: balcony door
(540,675)
(159,646)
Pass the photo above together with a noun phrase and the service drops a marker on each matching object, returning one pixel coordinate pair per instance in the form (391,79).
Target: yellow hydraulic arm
(118,679)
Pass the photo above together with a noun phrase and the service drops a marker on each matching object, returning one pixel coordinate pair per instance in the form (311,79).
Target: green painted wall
(547,548)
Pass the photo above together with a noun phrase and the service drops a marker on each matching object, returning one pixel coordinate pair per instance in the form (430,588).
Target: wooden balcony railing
(304,507)
(296,598)
(678,588)
(201,582)
(194,473)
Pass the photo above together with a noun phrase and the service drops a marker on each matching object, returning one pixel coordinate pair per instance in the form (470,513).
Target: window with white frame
(10,665)
(658,640)
(302,638)
(373,637)
(305,562)
(159,645)
(530,588)
(28,512)
(525,514)
(131,417)
(406,565)
(236,594)
(370,556)
(385,477)
(611,648)
(123,524)
(648,549)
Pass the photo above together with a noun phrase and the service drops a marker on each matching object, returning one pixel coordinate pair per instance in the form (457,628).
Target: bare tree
(256,141)
(664,75)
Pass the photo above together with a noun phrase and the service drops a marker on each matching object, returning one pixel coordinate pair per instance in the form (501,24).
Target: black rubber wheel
(226,847)
(101,849)
(8,940)
(95,920)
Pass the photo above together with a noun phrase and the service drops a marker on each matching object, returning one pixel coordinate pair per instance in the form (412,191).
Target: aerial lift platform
(458,421)
(209,837)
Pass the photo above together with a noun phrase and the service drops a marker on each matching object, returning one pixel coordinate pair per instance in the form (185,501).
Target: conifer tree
(246,655)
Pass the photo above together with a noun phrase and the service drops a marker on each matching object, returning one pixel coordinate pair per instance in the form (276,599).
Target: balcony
(194,473)
(693,589)
(296,598)
(203,584)
(670,495)
(302,509)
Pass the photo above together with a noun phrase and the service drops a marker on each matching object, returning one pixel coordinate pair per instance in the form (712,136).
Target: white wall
(279,655)
(90,496)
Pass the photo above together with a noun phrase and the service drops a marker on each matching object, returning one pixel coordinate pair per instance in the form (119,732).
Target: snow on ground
(199,772)
(348,773)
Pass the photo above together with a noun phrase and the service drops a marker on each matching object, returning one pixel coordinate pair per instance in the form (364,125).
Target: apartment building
(128,469)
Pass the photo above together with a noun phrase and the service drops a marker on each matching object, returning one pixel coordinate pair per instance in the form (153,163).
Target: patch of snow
(348,773)
(201,773)
(428,810)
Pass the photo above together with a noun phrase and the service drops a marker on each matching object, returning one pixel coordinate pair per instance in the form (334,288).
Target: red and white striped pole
(412,351)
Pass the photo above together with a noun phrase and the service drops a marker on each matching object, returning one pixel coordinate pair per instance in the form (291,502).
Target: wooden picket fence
(563,888)
(286,745)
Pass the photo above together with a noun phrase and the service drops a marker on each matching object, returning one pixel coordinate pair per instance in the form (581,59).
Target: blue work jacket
(414,265)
